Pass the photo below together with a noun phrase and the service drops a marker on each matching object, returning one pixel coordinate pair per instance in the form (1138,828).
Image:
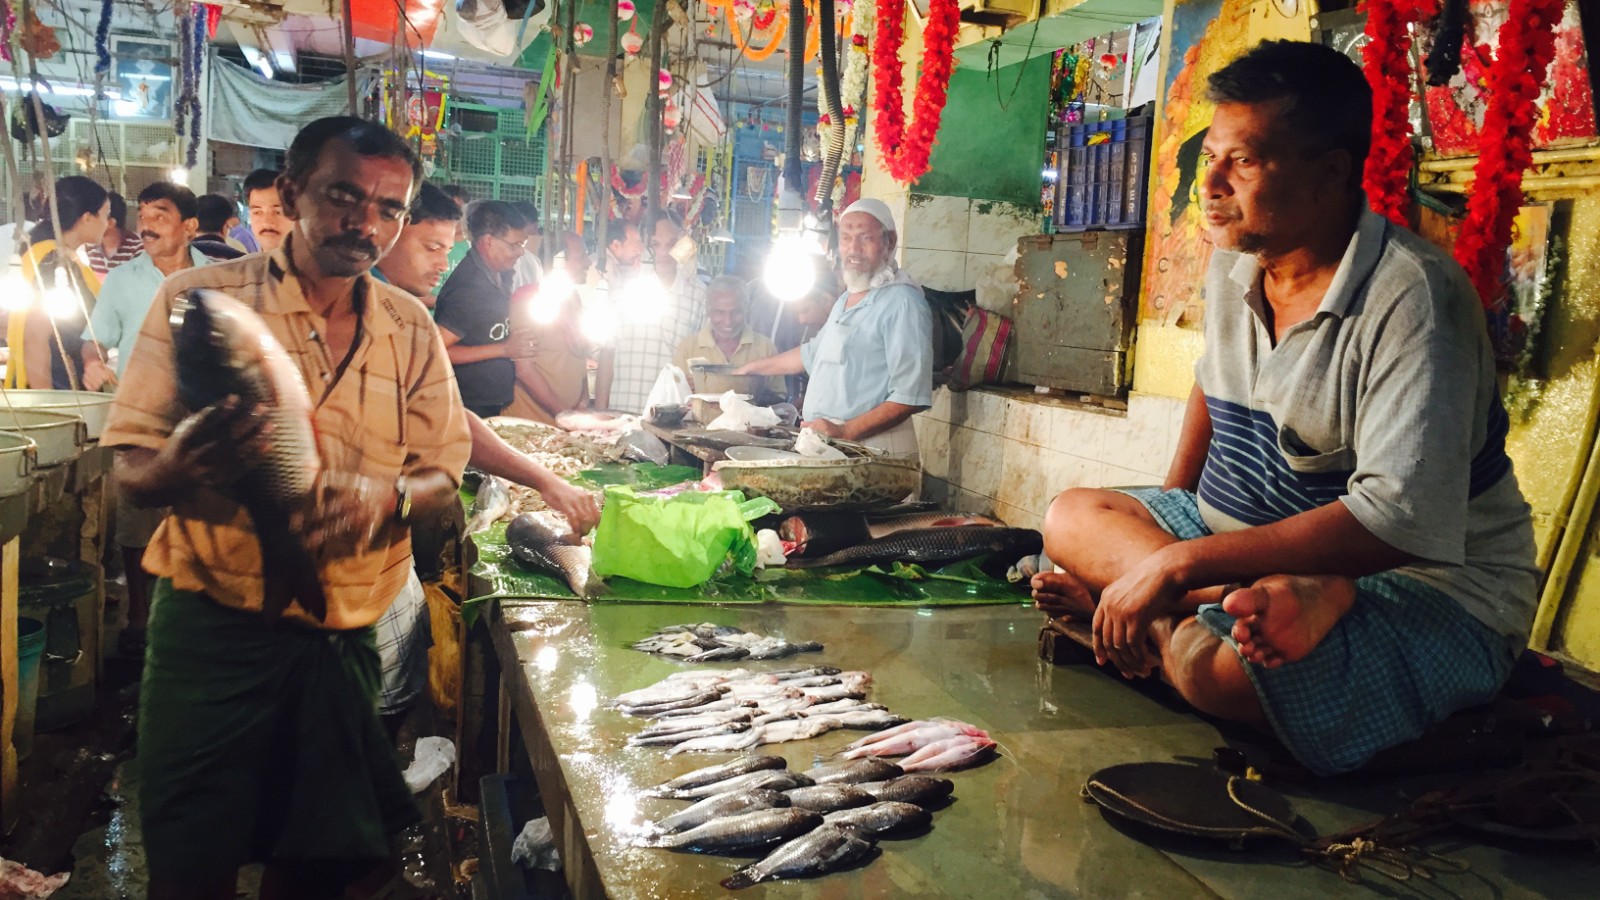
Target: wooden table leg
(10,557)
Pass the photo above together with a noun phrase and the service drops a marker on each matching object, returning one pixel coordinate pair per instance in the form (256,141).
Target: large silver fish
(535,544)
(746,831)
(819,851)
(855,771)
(826,798)
(882,817)
(720,805)
(744,765)
(491,502)
(221,348)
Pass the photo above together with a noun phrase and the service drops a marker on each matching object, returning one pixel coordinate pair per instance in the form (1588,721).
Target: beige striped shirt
(394,410)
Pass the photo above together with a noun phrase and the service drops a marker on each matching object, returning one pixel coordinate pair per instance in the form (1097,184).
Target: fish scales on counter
(709,642)
(492,501)
(535,544)
(882,817)
(933,545)
(222,348)
(719,806)
(817,852)
(746,831)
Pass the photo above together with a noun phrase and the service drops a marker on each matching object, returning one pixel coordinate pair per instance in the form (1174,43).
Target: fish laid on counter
(817,852)
(923,790)
(826,798)
(720,772)
(855,771)
(746,831)
(821,533)
(709,642)
(222,348)
(911,737)
(766,779)
(959,752)
(933,545)
(491,502)
(880,528)
(719,806)
(722,440)
(535,544)
(883,817)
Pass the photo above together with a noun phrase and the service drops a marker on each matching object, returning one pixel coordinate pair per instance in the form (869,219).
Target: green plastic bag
(679,541)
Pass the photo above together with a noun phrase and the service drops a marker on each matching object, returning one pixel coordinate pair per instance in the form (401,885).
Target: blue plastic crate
(1102,175)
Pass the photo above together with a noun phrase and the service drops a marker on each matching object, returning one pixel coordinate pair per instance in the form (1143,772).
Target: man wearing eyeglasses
(474,309)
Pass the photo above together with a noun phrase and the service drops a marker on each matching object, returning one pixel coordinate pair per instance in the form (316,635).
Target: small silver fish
(693,701)
(825,798)
(719,806)
(724,742)
(855,771)
(747,831)
(819,851)
(775,780)
(744,765)
(676,738)
(882,817)
(492,502)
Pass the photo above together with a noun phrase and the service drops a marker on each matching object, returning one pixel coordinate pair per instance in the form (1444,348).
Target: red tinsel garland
(1526,46)
(906,148)
(1386,61)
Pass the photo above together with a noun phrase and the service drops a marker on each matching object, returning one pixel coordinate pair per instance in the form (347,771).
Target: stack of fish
(935,745)
(737,709)
(820,820)
(709,642)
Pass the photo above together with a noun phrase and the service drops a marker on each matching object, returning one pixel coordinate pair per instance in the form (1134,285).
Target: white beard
(858,282)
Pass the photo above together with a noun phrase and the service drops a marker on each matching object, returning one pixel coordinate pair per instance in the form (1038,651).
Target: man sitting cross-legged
(1341,553)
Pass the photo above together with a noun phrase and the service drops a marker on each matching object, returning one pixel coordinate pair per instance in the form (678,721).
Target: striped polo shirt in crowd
(1384,400)
(130,246)
(394,410)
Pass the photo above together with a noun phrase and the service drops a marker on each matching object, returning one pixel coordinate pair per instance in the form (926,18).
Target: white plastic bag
(739,414)
(535,847)
(769,549)
(435,756)
(671,389)
(811,445)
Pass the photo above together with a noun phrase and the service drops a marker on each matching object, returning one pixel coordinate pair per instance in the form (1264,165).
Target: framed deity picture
(143,72)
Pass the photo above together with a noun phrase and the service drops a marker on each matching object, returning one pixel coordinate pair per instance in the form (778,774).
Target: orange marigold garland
(1386,61)
(1526,46)
(905,148)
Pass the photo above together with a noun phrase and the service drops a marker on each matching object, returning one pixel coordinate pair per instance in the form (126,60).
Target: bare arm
(1193,445)
(1328,540)
(493,455)
(876,420)
(461,354)
(40,341)
(96,374)
(788,362)
(210,449)
(606,369)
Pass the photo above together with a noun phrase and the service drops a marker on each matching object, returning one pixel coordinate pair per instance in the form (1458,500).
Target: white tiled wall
(957,244)
(1007,455)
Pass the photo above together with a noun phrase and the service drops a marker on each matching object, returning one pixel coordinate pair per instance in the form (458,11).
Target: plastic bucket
(64,594)
(30,648)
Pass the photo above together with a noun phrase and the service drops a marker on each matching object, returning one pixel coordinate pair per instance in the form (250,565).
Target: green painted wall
(987,152)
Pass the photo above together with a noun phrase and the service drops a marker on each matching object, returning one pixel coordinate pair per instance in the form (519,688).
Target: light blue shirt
(881,350)
(124,301)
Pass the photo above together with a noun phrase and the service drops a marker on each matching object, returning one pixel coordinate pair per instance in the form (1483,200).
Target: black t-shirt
(475,303)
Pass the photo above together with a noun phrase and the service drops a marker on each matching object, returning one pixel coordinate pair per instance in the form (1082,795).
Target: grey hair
(730,285)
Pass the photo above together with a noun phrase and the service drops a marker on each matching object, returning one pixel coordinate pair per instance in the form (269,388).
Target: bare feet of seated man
(1282,618)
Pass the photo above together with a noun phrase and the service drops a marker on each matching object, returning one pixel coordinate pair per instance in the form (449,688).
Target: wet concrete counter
(1017,827)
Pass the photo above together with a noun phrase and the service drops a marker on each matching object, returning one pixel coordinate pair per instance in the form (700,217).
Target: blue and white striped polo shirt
(1384,400)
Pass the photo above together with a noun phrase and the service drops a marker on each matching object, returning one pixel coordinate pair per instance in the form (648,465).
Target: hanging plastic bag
(678,541)
(739,414)
(671,389)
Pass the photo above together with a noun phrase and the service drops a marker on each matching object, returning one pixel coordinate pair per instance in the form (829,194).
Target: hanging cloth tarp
(247,109)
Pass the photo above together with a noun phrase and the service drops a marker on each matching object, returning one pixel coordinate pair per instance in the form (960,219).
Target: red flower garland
(1386,61)
(905,149)
(1527,45)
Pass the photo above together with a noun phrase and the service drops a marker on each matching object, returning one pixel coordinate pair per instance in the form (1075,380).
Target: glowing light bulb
(61,301)
(643,299)
(790,270)
(16,290)
(553,291)
(598,322)
(178,175)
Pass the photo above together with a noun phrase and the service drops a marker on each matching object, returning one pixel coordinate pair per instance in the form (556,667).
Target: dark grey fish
(221,347)
(719,654)
(775,780)
(534,545)
(922,790)
(720,806)
(882,817)
(746,831)
(896,524)
(934,545)
(825,798)
(689,702)
(821,533)
(744,765)
(855,771)
(818,852)
(797,672)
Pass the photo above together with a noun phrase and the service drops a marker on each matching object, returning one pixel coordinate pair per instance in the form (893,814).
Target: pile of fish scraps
(709,642)
(816,821)
(562,452)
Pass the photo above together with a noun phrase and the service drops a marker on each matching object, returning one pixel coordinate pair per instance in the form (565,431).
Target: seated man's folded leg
(1403,657)
(1206,672)
(1094,536)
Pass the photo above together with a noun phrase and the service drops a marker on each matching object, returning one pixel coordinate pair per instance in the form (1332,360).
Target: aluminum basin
(92,408)
(59,437)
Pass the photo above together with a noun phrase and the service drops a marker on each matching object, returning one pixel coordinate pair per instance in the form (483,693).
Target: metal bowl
(92,408)
(18,453)
(59,437)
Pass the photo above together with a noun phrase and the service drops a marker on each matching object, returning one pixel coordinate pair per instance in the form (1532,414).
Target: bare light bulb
(790,271)
(553,291)
(61,301)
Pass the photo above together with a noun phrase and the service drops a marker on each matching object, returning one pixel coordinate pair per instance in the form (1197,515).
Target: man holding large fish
(1341,552)
(871,365)
(296,414)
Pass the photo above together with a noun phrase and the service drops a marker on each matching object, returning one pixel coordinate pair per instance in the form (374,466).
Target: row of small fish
(709,642)
(820,821)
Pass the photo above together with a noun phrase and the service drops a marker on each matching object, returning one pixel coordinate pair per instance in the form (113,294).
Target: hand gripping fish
(222,347)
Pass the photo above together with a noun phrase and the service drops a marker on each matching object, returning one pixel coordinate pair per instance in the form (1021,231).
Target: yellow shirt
(751,347)
(70,327)
(394,410)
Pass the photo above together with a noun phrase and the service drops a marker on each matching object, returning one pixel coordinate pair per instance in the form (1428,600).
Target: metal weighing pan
(18,453)
(59,437)
(92,408)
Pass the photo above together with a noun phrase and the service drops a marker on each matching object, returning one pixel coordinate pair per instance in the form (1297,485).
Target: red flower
(906,148)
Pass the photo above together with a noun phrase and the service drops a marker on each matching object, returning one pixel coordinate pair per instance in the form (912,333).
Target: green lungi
(260,743)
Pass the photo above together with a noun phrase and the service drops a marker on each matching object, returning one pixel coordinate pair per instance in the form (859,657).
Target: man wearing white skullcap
(871,365)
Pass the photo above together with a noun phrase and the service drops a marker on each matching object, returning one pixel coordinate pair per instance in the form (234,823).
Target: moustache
(149,236)
(353,242)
